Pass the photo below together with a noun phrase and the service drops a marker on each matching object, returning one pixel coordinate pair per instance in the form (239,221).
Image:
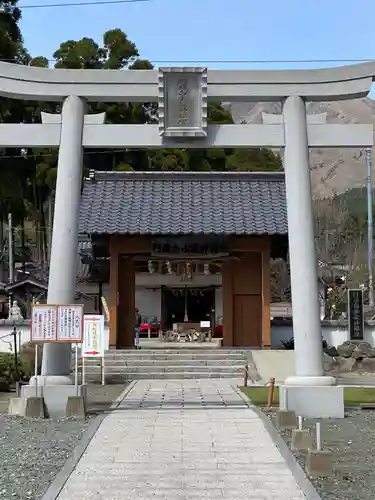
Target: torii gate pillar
(309,392)
(303,265)
(56,363)
(55,377)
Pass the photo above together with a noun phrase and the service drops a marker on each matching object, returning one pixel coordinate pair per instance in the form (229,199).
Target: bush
(27,357)
(10,373)
(289,344)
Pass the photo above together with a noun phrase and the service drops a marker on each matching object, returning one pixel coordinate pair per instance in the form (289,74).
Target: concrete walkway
(190,440)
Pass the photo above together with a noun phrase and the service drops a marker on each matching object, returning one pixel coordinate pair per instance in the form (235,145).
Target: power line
(27,156)
(74,4)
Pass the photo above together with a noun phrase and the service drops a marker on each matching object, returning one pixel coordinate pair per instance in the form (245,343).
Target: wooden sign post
(94,342)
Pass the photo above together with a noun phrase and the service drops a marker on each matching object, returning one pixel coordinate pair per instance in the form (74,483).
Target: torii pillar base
(55,397)
(314,401)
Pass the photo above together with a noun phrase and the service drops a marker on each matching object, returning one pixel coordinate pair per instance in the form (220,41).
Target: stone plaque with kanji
(182,104)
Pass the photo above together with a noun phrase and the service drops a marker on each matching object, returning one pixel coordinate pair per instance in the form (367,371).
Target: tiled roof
(183,203)
(27,280)
(40,273)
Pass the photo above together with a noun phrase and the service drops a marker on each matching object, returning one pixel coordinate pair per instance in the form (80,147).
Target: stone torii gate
(182,94)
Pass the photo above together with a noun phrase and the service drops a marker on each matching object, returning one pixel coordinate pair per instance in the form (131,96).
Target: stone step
(183,356)
(176,363)
(169,352)
(165,362)
(164,369)
(123,377)
(179,346)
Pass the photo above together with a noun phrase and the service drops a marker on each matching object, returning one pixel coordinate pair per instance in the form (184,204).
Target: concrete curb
(298,473)
(58,483)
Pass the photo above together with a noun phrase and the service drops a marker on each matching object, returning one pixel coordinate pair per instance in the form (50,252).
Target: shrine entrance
(187,304)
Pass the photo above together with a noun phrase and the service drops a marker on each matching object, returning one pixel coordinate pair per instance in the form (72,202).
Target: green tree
(12,178)
(11,42)
(254,160)
(115,52)
(218,115)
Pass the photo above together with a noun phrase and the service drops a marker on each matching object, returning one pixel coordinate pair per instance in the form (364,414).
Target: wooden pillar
(126,309)
(227,292)
(266,299)
(113,292)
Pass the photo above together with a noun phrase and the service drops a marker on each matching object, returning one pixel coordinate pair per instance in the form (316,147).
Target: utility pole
(10,248)
(370,235)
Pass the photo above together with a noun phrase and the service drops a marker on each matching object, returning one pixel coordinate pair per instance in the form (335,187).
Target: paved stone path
(189,440)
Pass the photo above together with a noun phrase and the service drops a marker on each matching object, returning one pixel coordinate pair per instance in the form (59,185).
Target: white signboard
(205,324)
(93,336)
(70,323)
(43,323)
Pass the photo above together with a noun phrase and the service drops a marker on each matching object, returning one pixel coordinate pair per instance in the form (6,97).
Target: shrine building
(185,247)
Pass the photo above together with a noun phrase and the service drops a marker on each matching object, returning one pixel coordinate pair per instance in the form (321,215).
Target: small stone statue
(15,313)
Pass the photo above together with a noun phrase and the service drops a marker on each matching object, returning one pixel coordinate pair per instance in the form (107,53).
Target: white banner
(43,323)
(70,323)
(94,343)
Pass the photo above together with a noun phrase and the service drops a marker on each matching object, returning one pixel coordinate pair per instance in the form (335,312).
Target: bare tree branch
(341,251)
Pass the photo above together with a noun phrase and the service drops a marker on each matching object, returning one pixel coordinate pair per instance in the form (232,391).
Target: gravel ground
(33,451)
(352,441)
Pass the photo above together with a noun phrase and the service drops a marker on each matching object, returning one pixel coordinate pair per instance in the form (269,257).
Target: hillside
(333,170)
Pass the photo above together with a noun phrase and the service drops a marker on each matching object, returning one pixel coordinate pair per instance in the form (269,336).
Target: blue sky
(208,30)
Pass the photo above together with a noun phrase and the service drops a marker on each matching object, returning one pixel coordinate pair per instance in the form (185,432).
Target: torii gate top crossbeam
(345,82)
